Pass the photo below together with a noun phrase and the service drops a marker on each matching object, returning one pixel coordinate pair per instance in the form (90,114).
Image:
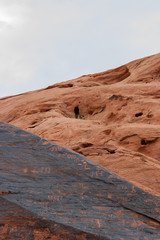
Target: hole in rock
(70,85)
(112,152)
(138,114)
(76,111)
(143,142)
(45,110)
(85,145)
(34,122)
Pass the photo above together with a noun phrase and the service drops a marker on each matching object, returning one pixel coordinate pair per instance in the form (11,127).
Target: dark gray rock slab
(49,192)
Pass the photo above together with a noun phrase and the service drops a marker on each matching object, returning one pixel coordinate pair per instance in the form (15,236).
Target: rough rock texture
(48,192)
(111,117)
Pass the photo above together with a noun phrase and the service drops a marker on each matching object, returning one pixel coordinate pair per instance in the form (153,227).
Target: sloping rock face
(110,117)
(48,192)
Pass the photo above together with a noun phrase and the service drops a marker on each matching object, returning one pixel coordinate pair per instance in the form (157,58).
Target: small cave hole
(42,110)
(48,109)
(70,85)
(112,151)
(34,122)
(85,145)
(143,142)
(76,111)
(138,114)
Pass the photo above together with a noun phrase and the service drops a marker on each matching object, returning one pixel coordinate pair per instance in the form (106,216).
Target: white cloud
(46,41)
(15,67)
(145,32)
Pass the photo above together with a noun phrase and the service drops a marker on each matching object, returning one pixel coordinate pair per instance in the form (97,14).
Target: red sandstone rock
(110,117)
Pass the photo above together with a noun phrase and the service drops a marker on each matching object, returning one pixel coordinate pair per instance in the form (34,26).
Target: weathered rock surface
(117,124)
(48,192)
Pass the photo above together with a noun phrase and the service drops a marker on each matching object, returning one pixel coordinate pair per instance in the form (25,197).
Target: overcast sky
(43,42)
